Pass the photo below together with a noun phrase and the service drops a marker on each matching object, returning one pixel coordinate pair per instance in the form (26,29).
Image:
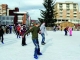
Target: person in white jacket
(43,31)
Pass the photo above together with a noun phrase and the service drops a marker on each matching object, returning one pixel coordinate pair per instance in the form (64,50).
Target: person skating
(35,30)
(1,34)
(43,31)
(66,30)
(18,28)
(23,30)
(70,31)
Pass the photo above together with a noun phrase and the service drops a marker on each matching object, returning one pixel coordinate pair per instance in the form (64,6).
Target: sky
(33,7)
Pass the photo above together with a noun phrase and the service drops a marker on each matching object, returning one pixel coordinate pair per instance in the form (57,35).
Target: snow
(57,47)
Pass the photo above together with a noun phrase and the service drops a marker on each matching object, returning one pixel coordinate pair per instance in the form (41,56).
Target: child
(35,30)
(70,31)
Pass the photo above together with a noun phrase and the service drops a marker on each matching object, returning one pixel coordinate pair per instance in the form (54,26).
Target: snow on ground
(58,47)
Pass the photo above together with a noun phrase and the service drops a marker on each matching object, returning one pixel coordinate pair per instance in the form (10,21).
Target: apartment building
(67,11)
(3,9)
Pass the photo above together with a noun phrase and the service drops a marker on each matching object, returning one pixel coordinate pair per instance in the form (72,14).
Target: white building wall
(64,6)
(7,12)
(71,6)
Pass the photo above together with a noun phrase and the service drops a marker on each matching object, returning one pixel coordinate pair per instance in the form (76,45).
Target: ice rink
(57,47)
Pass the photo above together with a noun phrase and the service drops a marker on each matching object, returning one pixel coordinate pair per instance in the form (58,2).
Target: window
(66,20)
(60,16)
(68,13)
(60,4)
(74,9)
(74,4)
(3,18)
(75,13)
(60,12)
(59,20)
(75,16)
(67,6)
(68,9)
(61,9)
(63,20)
(68,16)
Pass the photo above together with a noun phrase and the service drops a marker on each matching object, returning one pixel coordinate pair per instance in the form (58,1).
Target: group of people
(35,30)
(68,29)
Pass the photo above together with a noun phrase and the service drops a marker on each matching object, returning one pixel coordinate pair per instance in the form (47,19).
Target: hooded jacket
(42,28)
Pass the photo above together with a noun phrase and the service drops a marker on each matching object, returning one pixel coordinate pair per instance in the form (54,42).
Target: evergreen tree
(47,16)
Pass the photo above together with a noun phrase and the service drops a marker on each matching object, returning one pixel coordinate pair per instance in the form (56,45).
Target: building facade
(66,11)
(22,18)
(11,13)
(3,9)
(6,20)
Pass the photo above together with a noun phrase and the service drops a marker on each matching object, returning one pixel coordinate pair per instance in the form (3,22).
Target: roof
(20,12)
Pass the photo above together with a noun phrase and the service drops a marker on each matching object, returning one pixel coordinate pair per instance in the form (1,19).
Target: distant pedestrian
(10,29)
(54,28)
(70,31)
(66,31)
(1,34)
(18,28)
(23,30)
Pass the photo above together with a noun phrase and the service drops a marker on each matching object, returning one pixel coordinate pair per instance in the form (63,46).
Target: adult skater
(43,31)
(1,34)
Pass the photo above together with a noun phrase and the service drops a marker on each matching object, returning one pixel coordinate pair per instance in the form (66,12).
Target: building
(3,9)
(23,18)
(67,12)
(11,13)
(13,16)
(6,20)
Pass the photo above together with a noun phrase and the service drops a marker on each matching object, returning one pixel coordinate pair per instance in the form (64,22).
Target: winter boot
(36,57)
(39,53)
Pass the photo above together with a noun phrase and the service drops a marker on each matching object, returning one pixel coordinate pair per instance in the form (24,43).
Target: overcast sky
(31,6)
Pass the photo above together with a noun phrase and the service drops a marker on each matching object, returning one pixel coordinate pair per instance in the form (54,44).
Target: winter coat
(34,30)
(70,30)
(23,30)
(1,31)
(42,28)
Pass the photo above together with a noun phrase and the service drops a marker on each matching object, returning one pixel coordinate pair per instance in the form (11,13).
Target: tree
(47,15)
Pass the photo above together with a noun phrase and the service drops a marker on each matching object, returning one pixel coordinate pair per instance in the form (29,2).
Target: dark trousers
(23,40)
(1,38)
(18,34)
(65,32)
(10,31)
(37,48)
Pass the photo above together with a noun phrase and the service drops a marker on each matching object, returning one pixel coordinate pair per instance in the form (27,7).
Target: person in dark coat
(23,30)
(10,28)
(66,30)
(1,34)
